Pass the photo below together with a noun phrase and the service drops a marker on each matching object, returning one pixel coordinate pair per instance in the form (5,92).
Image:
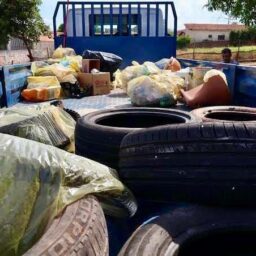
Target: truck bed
(91,103)
(117,98)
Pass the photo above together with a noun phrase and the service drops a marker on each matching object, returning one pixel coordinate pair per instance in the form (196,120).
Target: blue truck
(141,31)
(125,29)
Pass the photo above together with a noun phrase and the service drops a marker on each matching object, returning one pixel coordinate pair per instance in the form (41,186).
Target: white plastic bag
(63,52)
(136,70)
(152,91)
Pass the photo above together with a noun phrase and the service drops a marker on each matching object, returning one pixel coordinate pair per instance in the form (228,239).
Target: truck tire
(80,230)
(225,114)
(170,233)
(210,163)
(98,135)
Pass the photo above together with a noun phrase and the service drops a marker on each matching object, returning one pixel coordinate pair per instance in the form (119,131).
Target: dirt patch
(242,57)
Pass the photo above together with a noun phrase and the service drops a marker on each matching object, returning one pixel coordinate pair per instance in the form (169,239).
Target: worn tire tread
(194,154)
(80,230)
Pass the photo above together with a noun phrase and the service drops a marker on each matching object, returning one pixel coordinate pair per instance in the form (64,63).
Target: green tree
(243,37)
(21,19)
(183,41)
(61,28)
(244,10)
(234,38)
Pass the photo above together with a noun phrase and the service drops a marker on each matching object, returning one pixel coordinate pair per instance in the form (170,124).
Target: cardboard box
(85,80)
(100,82)
(89,64)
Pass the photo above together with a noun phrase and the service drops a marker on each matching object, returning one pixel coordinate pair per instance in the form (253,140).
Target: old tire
(73,114)
(98,135)
(171,232)
(225,114)
(211,163)
(80,230)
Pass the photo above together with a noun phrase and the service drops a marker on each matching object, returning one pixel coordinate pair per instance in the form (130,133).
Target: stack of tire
(206,156)
(98,135)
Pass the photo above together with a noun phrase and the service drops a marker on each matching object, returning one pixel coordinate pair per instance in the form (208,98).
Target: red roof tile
(214,27)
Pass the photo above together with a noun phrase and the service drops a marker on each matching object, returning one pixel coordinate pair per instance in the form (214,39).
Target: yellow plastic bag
(75,62)
(170,82)
(42,81)
(134,71)
(63,52)
(37,181)
(64,74)
(198,74)
(43,71)
(155,90)
(61,71)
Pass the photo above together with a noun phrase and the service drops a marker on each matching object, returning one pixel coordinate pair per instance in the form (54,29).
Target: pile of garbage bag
(38,181)
(64,67)
(149,85)
(136,70)
(155,90)
(49,76)
(109,62)
(60,53)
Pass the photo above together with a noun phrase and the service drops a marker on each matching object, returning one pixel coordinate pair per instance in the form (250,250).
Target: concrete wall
(199,36)
(43,50)
(13,57)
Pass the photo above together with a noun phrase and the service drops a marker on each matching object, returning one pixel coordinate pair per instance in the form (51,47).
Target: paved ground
(89,104)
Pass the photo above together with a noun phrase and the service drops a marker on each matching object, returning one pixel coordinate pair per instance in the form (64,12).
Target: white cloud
(193,11)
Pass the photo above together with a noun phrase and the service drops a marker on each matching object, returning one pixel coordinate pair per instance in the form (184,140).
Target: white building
(210,32)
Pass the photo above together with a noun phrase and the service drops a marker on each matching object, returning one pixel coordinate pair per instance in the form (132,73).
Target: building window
(221,37)
(107,24)
(210,36)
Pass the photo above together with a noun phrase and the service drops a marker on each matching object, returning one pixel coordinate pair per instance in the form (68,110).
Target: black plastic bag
(109,62)
(75,91)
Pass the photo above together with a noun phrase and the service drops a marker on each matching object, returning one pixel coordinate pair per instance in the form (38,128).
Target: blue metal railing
(1,87)
(133,30)
(155,11)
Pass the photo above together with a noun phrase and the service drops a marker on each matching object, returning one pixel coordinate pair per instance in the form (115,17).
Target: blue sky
(188,11)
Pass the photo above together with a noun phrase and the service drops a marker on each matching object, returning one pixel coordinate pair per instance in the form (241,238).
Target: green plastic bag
(49,125)
(37,181)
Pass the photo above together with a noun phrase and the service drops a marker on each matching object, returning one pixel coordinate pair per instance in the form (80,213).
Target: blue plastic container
(14,81)
(1,88)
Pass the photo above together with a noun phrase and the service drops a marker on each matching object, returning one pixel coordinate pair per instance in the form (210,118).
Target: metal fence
(134,30)
(1,87)
(116,15)
(16,44)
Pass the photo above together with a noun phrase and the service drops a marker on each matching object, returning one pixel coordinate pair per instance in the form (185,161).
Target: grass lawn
(219,49)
